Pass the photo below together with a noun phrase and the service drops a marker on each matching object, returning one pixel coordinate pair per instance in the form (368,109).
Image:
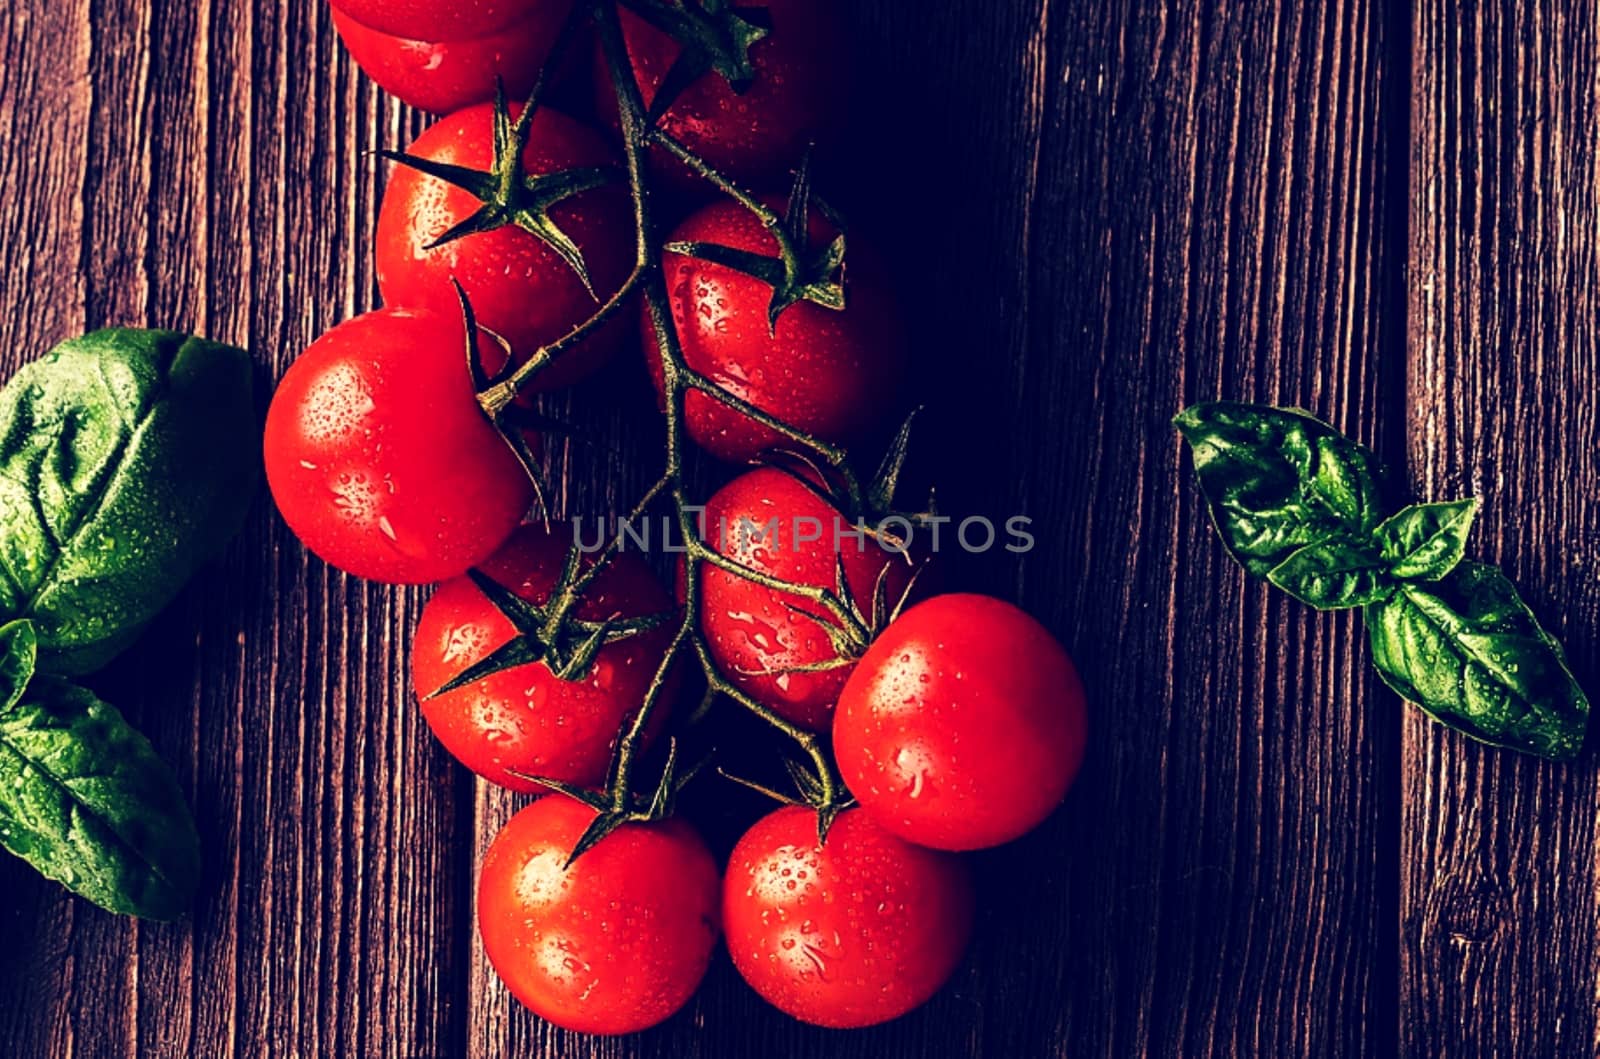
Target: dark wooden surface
(1100,212)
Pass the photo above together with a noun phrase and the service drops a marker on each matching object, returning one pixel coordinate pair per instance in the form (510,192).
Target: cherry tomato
(526,719)
(442,76)
(963,725)
(615,943)
(520,287)
(854,932)
(797,97)
(438,19)
(754,633)
(380,458)
(832,374)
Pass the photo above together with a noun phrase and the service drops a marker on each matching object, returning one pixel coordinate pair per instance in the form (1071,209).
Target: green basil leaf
(1278,480)
(1424,542)
(19,655)
(85,800)
(1470,653)
(1332,575)
(127,459)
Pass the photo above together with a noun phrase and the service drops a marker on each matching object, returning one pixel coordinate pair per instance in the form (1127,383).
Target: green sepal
(599,828)
(510,422)
(797,273)
(886,482)
(520,650)
(712,35)
(511,196)
(593,799)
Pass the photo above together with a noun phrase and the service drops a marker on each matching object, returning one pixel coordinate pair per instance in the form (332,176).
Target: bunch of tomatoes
(517,252)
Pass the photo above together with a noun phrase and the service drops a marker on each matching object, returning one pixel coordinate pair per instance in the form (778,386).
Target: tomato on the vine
(519,258)
(832,373)
(446,75)
(786,57)
(615,943)
(963,725)
(853,932)
(433,20)
(525,719)
(762,639)
(379,456)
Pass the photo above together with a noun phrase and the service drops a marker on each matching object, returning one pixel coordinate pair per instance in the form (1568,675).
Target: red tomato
(798,96)
(520,288)
(526,719)
(851,933)
(380,458)
(617,942)
(963,725)
(433,20)
(753,632)
(442,76)
(830,373)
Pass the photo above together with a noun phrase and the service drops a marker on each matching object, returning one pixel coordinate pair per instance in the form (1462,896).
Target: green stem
(823,597)
(502,393)
(621,792)
(808,741)
(677,380)
(768,217)
(614,545)
(833,455)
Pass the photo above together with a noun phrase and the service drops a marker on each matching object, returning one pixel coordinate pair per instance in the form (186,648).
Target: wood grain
(1207,221)
(46,52)
(1098,212)
(1499,873)
(200,167)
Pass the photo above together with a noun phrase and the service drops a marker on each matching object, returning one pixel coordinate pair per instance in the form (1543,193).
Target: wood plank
(1166,203)
(1498,866)
(1207,220)
(354,864)
(47,94)
(225,189)
(64,75)
(1156,206)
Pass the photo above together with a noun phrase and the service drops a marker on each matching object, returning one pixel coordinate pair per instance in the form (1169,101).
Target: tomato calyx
(849,640)
(870,508)
(813,794)
(549,633)
(616,806)
(510,421)
(799,272)
(850,624)
(712,35)
(512,196)
(886,481)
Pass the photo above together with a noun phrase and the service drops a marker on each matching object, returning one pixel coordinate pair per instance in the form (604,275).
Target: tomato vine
(618,802)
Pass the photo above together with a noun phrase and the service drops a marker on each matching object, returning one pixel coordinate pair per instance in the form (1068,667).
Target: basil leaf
(1470,653)
(1333,575)
(1278,480)
(1426,541)
(127,459)
(85,800)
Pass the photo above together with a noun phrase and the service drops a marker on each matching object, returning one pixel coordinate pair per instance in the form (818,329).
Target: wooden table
(1100,212)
